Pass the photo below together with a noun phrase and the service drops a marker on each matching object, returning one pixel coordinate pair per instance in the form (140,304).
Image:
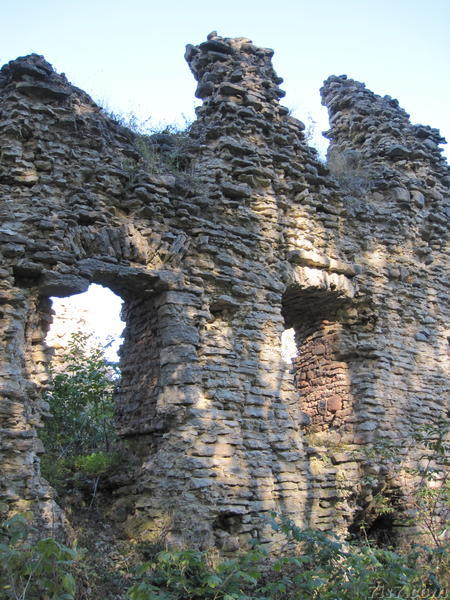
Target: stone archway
(159,335)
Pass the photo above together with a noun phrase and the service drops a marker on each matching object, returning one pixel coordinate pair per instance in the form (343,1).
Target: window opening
(288,345)
(80,434)
(311,344)
(96,312)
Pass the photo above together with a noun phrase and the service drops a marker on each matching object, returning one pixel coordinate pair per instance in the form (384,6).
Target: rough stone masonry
(253,236)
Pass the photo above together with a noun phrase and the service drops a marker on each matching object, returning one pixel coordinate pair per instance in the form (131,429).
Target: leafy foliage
(164,151)
(317,566)
(80,434)
(188,573)
(97,463)
(425,503)
(431,493)
(80,401)
(34,570)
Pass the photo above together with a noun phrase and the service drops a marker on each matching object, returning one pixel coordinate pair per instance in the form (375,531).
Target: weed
(316,566)
(161,148)
(32,570)
(80,434)
(424,500)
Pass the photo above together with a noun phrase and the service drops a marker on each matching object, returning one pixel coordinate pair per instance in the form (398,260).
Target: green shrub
(164,151)
(82,412)
(34,570)
(422,496)
(97,463)
(80,400)
(332,569)
(431,493)
(189,574)
(317,566)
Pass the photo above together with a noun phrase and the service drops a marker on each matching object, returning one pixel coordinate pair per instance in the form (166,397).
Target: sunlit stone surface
(244,235)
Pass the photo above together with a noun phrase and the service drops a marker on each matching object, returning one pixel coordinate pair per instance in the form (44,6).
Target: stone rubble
(213,264)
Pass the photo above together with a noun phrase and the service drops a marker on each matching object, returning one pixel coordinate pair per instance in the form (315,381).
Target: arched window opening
(97,315)
(79,433)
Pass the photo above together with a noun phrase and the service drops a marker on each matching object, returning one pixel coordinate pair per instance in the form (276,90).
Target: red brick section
(322,380)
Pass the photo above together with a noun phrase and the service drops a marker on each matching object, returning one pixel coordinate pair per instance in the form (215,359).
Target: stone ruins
(250,235)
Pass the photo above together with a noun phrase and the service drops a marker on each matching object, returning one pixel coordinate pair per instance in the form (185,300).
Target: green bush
(96,463)
(79,435)
(431,493)
(317,566)
(421,498)
(80,400)
(188,574)
(34,570)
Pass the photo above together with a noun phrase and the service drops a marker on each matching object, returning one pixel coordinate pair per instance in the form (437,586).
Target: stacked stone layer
(213,265)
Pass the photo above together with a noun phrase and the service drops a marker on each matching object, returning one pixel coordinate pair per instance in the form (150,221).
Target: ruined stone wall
(256,236)
(140,368)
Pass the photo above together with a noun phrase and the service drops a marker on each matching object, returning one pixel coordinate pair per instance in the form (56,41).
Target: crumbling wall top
(378,127)
(227,67)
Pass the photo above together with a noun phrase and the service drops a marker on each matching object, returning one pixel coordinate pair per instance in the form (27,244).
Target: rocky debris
(213,264)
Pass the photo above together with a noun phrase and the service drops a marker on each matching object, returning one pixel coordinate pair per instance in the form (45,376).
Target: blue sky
(129,55)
